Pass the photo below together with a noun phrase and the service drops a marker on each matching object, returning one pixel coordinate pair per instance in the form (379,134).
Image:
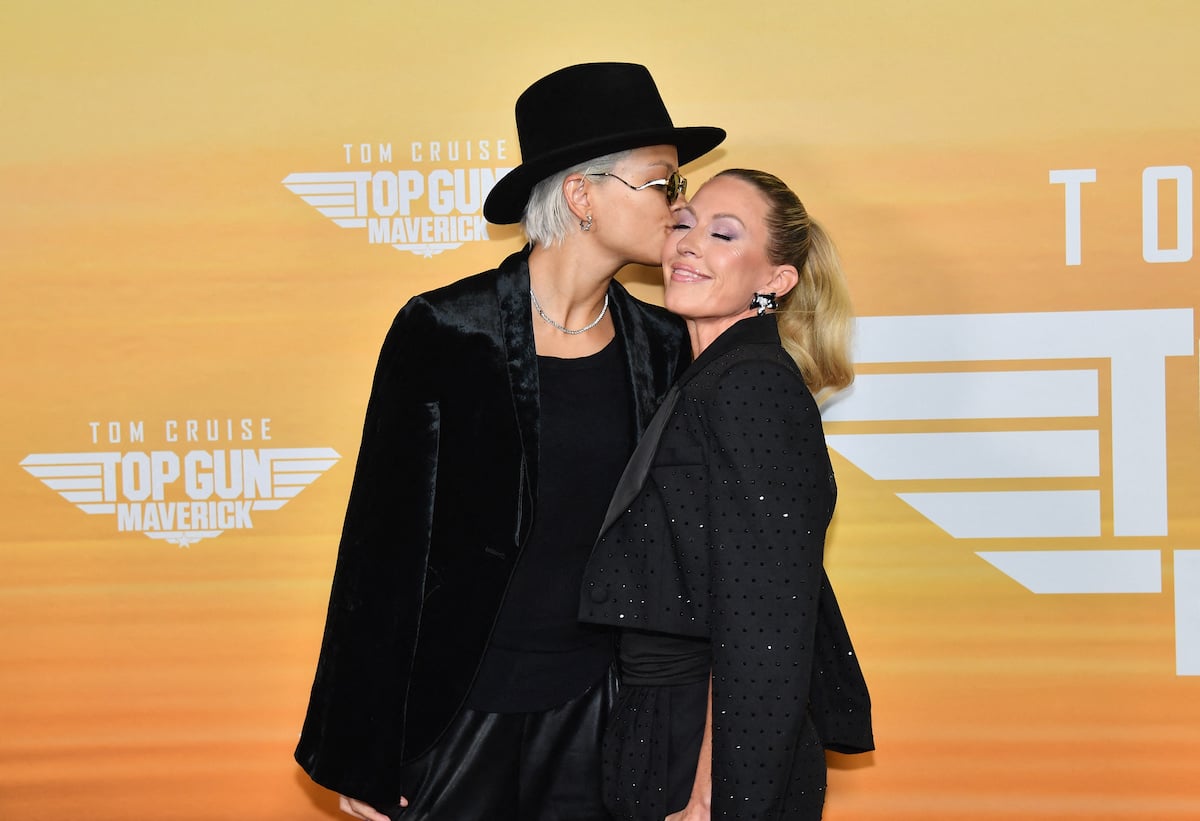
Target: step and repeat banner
(211,212)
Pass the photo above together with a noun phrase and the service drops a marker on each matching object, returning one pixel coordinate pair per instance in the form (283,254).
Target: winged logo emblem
(344,196)
(131,486)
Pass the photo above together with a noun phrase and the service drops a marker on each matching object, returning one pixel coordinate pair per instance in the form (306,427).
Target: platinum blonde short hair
(547,219)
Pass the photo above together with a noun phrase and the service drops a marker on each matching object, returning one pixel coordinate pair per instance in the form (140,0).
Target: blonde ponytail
(816,318)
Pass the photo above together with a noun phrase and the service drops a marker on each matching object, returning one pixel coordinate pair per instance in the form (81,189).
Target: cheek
(741,276)
(653,213)
(644,223)
(669,247)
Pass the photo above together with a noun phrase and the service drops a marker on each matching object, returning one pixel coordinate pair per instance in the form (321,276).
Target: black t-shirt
(540,654)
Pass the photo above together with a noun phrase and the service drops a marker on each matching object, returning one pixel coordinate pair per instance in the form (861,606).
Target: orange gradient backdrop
(157,269)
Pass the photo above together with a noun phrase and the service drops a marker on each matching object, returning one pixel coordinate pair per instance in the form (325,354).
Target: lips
(686,273)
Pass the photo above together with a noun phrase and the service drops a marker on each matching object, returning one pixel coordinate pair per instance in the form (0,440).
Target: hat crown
(582,112)
(587,103)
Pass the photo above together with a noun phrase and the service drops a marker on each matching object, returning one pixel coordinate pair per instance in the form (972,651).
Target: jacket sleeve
(356,715)
(840,704)
(770,498)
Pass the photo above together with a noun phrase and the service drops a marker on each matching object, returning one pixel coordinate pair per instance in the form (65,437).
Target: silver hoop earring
(586,225)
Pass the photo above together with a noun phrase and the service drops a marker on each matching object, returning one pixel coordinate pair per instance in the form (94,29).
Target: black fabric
(542,766)
(652,746)
(651,749)
(717,531)
(441,505)
(623,111)
(540,654)
(655,659)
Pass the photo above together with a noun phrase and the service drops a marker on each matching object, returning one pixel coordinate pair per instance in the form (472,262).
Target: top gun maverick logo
(182,492)
(997,426)
(435,206)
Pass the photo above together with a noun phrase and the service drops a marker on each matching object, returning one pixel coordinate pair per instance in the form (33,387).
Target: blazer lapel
(516,330)
(637,347)
(639,463)
(750,330)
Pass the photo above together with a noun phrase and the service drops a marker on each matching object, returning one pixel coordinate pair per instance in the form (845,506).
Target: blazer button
(599,594)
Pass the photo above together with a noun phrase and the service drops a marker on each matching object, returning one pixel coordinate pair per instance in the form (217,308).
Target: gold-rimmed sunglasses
(674,186)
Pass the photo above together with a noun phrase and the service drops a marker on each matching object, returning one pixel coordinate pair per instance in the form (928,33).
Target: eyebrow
(660,164)
(687,209)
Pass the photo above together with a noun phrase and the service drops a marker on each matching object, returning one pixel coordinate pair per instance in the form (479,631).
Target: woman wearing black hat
(454,681)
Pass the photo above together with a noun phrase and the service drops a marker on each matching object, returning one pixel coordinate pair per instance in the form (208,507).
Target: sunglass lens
(676,187)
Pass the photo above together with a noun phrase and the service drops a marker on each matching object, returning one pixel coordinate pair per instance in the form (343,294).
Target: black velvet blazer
(717,530)
(442,501)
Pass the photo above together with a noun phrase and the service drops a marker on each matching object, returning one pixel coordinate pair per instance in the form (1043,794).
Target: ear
(783,280)
(575,191)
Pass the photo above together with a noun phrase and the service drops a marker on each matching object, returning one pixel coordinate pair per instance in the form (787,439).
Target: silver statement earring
(763,301)
(586,225)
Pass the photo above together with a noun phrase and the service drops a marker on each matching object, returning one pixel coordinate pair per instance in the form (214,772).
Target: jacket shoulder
(743,366)
(471,290)
(470,303)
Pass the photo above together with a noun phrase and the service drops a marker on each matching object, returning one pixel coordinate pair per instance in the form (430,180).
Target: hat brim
(505,204)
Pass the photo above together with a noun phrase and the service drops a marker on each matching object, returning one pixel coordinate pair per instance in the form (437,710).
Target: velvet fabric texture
(443,497)
(717,530)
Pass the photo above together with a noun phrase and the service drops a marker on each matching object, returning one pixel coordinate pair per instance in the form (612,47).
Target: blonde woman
(737,670)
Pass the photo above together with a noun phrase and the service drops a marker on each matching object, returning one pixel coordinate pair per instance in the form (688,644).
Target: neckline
(580,361)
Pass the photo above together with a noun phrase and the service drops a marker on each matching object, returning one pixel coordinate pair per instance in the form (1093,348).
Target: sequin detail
(724,540)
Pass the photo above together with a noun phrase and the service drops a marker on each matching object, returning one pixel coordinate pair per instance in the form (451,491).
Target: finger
(368,812)
(346,806)
(359,809)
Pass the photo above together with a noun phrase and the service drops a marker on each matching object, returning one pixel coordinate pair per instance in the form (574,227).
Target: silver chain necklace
(537,306)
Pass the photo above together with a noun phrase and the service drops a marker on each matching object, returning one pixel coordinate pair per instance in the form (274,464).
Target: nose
(684,245)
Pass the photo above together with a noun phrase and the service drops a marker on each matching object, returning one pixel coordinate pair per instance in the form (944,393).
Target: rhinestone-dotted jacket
(717,530)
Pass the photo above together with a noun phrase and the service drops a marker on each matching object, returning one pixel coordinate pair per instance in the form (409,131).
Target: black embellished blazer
(717,530)
(443,497)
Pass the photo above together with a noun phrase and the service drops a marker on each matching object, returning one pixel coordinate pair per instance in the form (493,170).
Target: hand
(692,812)
(363,810)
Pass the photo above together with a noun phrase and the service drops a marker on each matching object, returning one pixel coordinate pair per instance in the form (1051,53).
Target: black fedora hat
(587,111)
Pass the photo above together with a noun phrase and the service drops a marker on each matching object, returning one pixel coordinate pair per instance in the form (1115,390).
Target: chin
(676,306)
